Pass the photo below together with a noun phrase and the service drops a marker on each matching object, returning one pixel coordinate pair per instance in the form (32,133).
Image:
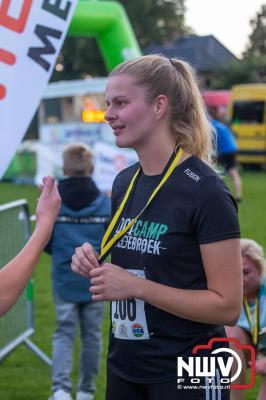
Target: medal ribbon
(107,245)
(254,330)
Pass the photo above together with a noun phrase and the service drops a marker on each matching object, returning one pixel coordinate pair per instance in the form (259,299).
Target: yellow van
(247,113)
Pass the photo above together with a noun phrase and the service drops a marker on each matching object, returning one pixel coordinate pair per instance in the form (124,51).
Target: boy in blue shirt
(83,216)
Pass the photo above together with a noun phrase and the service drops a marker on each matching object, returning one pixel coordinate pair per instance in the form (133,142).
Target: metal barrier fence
(17,325)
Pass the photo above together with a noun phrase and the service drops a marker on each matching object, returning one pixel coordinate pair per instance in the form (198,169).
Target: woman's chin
(123,142)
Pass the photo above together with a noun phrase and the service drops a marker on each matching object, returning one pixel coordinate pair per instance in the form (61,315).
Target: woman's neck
(251,296)
(153,159)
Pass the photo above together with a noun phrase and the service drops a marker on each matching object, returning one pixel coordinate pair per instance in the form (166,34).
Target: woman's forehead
(122,84)
(248,263)
(247,258)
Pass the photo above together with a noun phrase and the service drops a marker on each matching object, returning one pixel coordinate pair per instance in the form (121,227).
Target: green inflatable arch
(107,20)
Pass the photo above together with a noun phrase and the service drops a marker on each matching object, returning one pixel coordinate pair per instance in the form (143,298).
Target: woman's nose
(109,115)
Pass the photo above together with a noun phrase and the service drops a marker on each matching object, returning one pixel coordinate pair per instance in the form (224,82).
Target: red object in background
(216,98)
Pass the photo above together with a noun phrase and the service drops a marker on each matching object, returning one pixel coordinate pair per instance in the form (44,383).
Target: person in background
(175,276)
(83,216)
(226,150)
(251,326)
(15,275)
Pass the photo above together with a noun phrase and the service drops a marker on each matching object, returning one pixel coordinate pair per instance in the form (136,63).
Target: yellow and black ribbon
(253,325)
(107,245)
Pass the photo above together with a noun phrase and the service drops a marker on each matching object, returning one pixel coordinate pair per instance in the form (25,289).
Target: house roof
(204,53)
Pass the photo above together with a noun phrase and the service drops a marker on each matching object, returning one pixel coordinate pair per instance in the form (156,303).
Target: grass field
(23,375)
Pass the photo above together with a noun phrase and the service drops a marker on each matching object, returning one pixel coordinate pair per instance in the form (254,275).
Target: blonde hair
(77,160)
(252,249)
(175,79)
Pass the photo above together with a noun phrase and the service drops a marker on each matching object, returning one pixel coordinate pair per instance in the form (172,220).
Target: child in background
(83,217)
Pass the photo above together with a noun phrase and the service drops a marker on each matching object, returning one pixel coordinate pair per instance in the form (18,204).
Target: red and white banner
(31,35)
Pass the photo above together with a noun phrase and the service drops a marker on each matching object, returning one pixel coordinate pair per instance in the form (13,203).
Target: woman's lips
(117,129)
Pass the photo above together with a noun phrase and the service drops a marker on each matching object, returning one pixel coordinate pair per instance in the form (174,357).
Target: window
(248,112)
(52,109)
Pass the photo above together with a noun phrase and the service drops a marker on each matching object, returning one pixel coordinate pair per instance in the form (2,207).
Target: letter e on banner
(14,24)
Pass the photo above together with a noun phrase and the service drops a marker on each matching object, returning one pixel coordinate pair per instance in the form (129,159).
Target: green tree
(257,39)
(79,58)
(156,20)
(251,68)
(152,20)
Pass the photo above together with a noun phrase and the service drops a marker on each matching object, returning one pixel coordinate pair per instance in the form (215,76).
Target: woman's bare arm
(15,275)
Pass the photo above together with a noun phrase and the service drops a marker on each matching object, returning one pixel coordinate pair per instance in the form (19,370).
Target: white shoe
(84,396)
(61,395)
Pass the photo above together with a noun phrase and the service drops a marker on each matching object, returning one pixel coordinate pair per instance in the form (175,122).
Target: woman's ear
(161,106)
(65,172)
(90,170)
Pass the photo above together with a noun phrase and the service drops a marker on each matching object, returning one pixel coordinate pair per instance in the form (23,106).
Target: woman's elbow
(232,315)
(232,321)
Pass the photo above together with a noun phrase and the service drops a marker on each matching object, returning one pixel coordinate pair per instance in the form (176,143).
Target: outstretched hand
(260,366)
(48,204)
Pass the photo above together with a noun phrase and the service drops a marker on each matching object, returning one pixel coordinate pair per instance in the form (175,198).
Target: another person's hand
(111,282)
(84,260)
(260,366)
(48,205)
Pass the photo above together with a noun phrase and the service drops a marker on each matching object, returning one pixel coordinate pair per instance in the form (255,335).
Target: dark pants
(121,389)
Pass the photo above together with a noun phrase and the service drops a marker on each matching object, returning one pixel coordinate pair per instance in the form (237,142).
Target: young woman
(15,275)
(175,276)
(251,326)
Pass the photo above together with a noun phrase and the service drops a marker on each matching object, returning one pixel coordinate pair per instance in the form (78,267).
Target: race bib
(128,316)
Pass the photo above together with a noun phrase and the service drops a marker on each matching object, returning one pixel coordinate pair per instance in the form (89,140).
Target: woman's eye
(120,102)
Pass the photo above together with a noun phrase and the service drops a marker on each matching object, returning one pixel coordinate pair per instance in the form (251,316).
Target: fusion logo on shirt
(192,175)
